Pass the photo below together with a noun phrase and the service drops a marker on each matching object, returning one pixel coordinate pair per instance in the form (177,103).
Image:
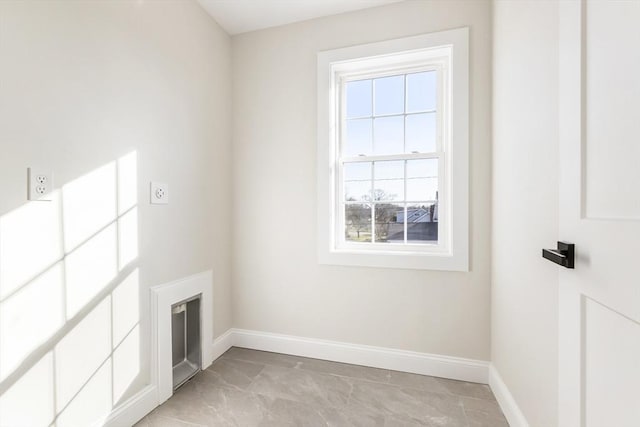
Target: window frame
(447,52)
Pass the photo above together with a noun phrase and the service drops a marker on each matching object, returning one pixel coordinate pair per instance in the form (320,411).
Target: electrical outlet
(39,184)
(159,193)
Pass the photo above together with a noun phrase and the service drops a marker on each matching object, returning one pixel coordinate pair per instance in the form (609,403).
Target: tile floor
(255,388)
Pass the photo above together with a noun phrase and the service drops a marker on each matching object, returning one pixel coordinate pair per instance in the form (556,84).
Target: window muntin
(389,150)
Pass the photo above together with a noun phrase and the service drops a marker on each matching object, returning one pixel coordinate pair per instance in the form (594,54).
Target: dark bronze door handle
(563,256)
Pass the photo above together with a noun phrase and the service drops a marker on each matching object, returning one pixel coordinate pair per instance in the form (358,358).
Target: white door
(599,92)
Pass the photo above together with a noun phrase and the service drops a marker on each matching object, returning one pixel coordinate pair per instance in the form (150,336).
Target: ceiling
(241,16)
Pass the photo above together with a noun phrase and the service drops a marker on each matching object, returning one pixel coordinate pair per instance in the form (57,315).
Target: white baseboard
(378,357)
(134,409)
(505,399)
(221,344)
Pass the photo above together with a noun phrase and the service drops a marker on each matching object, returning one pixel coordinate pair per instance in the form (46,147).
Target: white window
(393,153)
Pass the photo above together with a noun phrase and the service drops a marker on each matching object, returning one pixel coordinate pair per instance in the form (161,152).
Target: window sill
(397,260)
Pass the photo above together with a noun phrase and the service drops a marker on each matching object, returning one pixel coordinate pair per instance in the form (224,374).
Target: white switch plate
(39,184)
(159,193)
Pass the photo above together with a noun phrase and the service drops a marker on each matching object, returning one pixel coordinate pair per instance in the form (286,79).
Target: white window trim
(454,256)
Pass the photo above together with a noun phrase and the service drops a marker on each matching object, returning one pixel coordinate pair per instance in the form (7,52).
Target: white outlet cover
(39,184)
(159,193)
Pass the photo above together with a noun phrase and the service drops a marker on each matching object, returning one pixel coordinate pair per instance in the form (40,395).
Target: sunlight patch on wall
(81,352)
(92,402)
(30,317)
(90,268)
(64,298)
(29,402)
(127,182)
(126,303)
(88,204)
(128,237)
(30,241)
(124,372)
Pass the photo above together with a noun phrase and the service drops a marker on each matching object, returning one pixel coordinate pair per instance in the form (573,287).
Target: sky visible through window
(392,200)
(381,120)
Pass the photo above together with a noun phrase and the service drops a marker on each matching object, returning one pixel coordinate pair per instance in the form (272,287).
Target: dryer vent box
(185,340)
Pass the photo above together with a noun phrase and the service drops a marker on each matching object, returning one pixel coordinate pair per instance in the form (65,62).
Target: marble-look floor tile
(481,419)
(301,386)
(188,405)
(247,388)
(153,420)
(462,388)
(395,422)
(235,407)
(410,405)
(262,357)
(355,414)
(233,373)
(421,382)
(345,370)
(483,413)
(284,412)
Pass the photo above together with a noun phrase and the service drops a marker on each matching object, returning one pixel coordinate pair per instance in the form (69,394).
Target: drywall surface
(525,204)
(278,285)
(108,96)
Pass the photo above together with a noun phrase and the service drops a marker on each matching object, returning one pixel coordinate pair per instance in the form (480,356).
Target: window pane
(422,179)
(389,222)
(421,92)
(376,193)
(358,138)
(389,169)
(358,98)
(422,188)
(389,95)
(357,190)
(420,133)
(357,220)
(357,171)
(422,222)
(388,189)
(425,168)
(388,135)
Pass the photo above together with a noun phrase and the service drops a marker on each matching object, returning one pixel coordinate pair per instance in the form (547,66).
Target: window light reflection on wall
(66,267)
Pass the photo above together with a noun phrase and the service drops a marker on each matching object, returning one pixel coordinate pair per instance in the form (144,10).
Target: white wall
(278,285)
(525,204)
(82,84)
